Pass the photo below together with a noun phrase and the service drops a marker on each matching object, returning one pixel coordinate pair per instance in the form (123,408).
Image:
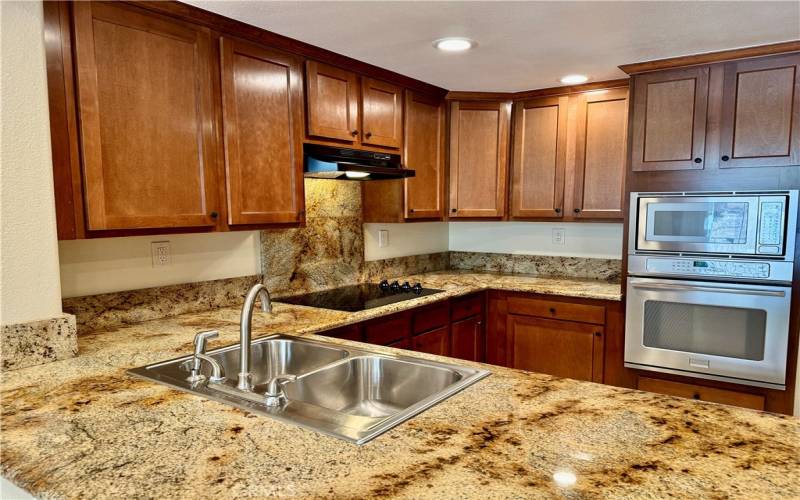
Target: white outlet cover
(383,238)
(161,253)
(558,236)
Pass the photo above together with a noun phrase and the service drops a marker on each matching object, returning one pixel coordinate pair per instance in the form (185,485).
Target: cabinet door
(478,158)
(669,120)
(383,113)
(332,95)
(540,155)
(760,123)
(466,339)
(146,119)
(424,153)
(262,103)
(600,149)
(561,348)
(434,342)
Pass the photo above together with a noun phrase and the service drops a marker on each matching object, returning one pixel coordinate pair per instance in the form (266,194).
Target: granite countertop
(83,428)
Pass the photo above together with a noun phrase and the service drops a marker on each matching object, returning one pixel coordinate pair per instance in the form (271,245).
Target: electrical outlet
(558,236)
(161,254)
(383,238)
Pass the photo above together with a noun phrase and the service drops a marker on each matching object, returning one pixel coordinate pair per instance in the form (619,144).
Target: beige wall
(106,265)
(29,285)
(600,240)
(405,239)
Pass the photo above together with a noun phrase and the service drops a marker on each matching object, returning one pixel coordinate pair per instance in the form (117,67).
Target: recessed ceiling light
(454,44)
(574,79)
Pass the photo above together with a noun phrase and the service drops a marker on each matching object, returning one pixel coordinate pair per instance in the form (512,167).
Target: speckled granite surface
(37,342)
(82,428)
(108,310)
(539,265)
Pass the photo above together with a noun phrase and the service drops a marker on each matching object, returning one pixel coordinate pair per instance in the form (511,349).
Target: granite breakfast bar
(84,428)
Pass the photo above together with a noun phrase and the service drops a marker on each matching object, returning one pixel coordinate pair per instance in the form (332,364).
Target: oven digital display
(700,263)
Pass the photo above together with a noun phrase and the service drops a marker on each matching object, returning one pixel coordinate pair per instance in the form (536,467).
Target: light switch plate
(160,251)
(558,236)
(383,238)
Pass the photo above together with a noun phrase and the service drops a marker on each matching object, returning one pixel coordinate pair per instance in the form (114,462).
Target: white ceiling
(521,45)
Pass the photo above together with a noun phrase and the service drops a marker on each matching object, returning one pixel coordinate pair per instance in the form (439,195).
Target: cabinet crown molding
(711,57)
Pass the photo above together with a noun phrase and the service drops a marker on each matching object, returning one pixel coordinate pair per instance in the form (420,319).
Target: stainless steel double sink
(349,393)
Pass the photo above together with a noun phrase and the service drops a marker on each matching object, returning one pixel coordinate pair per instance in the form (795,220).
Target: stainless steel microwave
(731,223)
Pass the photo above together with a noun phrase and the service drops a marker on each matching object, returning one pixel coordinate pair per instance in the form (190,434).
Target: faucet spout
(245,382)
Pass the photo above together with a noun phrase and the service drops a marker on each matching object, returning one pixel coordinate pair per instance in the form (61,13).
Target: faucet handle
(201,338)
(275,395)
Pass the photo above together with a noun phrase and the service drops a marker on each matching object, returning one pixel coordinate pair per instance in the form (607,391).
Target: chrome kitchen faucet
(258,290)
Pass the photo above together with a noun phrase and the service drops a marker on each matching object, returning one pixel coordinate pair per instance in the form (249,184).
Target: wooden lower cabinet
(433,342)
(561,348)
(702,393)
(467,339)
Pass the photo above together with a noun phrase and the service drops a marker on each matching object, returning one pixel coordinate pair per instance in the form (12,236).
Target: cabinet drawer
(466,307)
(387,330)
(566,311)
(428,318)
(691,391)
(349,332)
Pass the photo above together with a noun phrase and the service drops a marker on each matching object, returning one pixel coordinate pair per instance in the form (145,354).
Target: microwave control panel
(770,225)
(709,267)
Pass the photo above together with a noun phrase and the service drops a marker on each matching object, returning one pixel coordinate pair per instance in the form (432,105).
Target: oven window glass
(721,223)
(714,330)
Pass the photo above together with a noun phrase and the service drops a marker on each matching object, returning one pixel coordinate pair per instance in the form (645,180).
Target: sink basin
(269,357)
(372,386)
(351,394)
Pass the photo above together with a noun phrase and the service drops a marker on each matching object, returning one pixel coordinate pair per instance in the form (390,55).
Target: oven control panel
(709,267)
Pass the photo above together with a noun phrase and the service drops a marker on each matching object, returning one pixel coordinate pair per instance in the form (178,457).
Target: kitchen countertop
(83,428)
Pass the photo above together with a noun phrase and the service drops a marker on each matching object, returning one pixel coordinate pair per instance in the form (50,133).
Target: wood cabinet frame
(503,110)
(518,170)
(236,184)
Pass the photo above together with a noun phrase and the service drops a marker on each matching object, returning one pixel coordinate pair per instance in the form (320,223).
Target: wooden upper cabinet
(600,151)
(478,158)
(760,122)
(382,113)
(424,153)
(539,158)
(146,119)
(332,95)
(669,120)
(262,102)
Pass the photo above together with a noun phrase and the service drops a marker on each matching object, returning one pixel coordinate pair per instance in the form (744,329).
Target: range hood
(327,162)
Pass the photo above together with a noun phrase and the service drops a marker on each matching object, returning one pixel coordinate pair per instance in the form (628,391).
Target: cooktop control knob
(417,288)
(384,284)
(395,286)
(406,287)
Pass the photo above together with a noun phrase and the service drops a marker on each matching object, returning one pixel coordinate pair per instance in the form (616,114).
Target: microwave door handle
(721,289)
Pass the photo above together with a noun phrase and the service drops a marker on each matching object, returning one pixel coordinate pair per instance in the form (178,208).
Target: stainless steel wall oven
(709,286)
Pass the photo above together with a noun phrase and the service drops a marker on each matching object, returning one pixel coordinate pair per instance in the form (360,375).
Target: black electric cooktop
(360,297)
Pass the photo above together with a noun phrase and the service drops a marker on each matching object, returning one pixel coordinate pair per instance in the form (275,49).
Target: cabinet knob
(726,158)
(454,210)
(695,396)
(411,210)
(577,210)
(552,310)
(597,334)
(368,135)
(698,160)
(558,210)
(354,133)
(214,215)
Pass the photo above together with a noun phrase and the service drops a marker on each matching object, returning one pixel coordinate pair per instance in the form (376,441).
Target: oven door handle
(721,289)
